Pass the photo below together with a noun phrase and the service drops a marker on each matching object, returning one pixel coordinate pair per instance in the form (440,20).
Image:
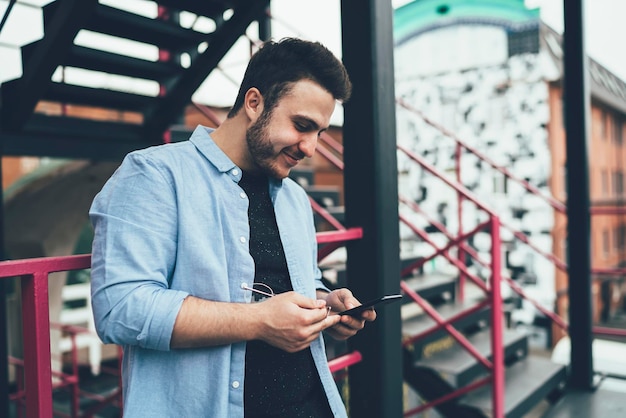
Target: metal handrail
(555,204)
(33,275)
(496,365)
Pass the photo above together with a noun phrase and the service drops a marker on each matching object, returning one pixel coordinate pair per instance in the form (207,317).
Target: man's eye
(300,127)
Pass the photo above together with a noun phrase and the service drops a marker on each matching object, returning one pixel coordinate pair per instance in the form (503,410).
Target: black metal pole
(4,341)
(371,202)
(265,25)
(577,104)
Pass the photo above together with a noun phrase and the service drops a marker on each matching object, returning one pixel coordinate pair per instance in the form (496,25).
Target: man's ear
(253,104)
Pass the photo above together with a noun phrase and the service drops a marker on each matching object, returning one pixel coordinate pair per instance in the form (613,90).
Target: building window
(604,124)
(617,129)
(604,178)
(620,237)
(500,183)
(523,42)
(606,243)
(618,183)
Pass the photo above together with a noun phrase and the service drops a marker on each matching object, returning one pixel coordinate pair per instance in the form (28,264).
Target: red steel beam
(37,367)
(497,326)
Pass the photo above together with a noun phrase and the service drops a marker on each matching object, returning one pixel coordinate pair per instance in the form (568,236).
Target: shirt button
(235,384)
(234,172)
(242,239)
(242,195)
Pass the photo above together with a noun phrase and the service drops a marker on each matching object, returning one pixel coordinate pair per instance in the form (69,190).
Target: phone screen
(371,304)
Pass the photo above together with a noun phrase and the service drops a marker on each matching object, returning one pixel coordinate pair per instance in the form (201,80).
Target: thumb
(308,303)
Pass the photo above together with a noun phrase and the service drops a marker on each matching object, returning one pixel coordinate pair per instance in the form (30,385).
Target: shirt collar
(201,138)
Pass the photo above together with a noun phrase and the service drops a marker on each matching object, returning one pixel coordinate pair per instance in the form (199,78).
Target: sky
(605,25)
(320,20)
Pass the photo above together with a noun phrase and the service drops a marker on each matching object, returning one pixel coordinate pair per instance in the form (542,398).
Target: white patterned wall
(502,111)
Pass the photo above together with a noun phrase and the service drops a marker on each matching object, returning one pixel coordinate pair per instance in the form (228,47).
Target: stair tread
(418,324)
(430,281)
(526,383)
(457,360)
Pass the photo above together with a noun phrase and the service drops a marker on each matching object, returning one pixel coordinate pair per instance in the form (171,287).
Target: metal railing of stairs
(558,206)
(331,148)
(494,299)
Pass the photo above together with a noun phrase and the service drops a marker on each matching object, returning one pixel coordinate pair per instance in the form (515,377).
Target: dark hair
(276,66)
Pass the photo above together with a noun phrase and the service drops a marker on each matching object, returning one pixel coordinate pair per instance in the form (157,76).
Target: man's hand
(340,300)
(291,321)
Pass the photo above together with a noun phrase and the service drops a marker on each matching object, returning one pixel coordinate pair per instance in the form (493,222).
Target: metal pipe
(37,367)
(497,326)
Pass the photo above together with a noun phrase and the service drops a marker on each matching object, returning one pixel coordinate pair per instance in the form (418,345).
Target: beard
(261,149)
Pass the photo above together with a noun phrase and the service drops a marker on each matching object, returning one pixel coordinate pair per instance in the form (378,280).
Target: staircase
(47,114)
(436,365)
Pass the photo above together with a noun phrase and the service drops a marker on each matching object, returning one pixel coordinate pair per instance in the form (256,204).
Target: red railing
(552,202)
(494,297)
(33,275)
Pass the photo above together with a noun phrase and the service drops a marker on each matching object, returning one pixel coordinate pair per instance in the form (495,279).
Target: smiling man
(187,233)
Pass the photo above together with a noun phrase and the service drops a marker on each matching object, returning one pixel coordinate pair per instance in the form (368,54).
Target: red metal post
(344,361)
(37,368)
(459,195)
(454,333)
(497,326)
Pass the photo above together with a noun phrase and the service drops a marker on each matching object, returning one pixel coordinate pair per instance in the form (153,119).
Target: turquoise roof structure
(424,15)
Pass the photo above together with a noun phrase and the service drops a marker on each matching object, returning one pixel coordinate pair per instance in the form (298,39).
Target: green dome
(423,15)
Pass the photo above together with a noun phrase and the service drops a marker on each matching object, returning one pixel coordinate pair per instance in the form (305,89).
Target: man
(187,233)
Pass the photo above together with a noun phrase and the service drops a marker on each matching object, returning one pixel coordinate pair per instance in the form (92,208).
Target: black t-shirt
(277,383)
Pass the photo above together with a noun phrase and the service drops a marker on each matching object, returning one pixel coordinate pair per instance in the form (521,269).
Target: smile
(291,159)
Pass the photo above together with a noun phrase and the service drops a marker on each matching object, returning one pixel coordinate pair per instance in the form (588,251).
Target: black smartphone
(371,304)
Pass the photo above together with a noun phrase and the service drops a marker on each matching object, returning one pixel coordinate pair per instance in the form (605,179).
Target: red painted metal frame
(344,361)
(558,206)
(466,248)
(442,323)
(554,203)
(496,365)
(319,209)
(335,239)
(439,251)
(452,395)
(36,324)
(467,312)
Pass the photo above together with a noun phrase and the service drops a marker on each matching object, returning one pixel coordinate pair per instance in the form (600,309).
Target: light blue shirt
(171,222)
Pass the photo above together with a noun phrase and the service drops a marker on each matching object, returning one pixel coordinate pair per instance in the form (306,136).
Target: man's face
(280,138)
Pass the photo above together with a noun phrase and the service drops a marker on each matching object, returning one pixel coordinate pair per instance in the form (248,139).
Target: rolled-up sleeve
(134,255)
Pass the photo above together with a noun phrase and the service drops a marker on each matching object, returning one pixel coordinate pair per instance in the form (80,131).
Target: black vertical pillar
(4,341)
(577,104)
(265,25)
(371,202)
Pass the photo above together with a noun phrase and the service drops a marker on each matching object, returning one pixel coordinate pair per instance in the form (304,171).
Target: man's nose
(307,145)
